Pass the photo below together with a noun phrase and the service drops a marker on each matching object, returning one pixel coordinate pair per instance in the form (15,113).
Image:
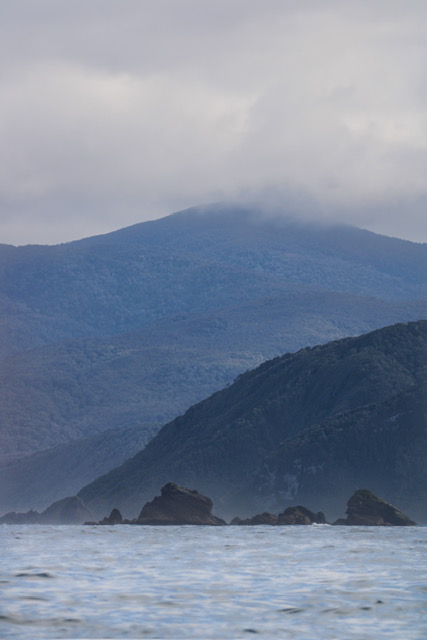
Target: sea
(291,582)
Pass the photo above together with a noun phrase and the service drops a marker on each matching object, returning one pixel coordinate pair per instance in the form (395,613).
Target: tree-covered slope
(133,327)
(193,261)
(62,392)
(53,294)
(66,396)
(220,444)
(335,256)
(382,445)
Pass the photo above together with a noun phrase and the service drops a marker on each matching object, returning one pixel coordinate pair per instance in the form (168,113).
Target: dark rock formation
(300,515)
(261,518)
(70,510)
(178,505)
(365,508)
(115,517)
(292,515)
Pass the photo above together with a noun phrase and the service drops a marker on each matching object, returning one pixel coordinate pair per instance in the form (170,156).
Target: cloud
(115,112)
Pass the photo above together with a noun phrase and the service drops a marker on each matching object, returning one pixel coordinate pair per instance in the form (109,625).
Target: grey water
(304,583)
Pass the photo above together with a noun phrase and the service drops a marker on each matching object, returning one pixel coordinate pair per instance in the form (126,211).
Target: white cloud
(114,112)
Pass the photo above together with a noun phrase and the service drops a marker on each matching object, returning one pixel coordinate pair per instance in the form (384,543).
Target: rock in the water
(261,518)
(115,517)
(300,515)
(366,509)
(292,515)
(178,505)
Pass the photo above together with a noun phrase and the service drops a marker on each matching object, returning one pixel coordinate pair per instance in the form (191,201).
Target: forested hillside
(308,425)
(192,261)
(127,330)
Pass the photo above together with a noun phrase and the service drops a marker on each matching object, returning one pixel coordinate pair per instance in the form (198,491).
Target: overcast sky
(118,111)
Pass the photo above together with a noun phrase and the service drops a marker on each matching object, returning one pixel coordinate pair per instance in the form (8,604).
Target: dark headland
(307,428)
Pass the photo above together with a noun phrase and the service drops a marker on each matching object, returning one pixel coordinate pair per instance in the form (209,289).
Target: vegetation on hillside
(131,328)
(222,443)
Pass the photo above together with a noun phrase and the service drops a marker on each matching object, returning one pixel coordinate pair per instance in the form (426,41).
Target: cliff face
(307,428)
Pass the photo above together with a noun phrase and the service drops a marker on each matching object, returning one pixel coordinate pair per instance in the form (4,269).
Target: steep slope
(57,393)
(381,445)
(219,445)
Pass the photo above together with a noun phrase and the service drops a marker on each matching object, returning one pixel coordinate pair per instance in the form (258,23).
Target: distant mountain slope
(54,294)
(62,392)
(220,227)
(132,327)
(221,444)
(193,261)
(44,477)
(333,256)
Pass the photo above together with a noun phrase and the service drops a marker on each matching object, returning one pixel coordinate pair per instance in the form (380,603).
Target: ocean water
(311,583)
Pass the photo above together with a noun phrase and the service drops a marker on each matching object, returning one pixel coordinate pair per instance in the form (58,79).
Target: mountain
(74,402)
(122,332)
(313,424)
(46,476)
(75,389)
(326,256)
(192,261)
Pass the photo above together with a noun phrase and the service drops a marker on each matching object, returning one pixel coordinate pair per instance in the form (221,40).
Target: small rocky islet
(181,506)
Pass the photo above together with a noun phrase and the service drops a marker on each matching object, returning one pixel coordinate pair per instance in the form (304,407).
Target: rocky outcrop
(300,515)
(180,506)
(115,517)
(366,509)
(292,515)
(71,510)
(261,518)
(177,505)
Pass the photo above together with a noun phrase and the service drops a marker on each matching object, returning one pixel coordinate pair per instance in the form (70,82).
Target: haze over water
(310,583)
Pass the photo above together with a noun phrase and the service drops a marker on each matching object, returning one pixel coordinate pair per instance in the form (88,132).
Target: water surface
(303,583)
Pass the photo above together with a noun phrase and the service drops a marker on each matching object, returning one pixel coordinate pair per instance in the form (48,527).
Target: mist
(114,114)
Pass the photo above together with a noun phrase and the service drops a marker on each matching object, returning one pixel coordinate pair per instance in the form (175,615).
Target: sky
(114,112)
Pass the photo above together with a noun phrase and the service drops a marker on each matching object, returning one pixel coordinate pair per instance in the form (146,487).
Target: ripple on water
(42,574)
(190,582)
